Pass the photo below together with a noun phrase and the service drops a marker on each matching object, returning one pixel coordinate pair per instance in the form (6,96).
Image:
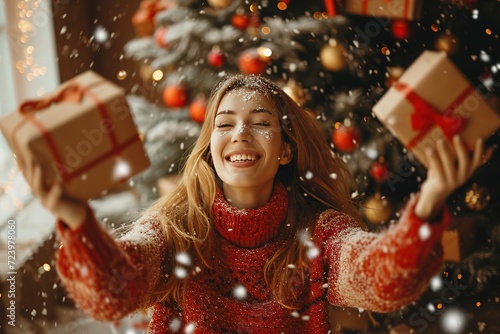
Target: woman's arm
(110,278)
(382,272)
(107,278)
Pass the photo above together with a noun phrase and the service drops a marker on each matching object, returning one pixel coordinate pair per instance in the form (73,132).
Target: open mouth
(242,157)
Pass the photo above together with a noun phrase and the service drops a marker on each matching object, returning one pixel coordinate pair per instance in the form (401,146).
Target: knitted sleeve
(110,278)
(380,271)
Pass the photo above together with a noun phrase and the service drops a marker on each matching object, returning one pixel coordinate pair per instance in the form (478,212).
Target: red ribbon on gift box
(426,116)
(73,92)
(330,7)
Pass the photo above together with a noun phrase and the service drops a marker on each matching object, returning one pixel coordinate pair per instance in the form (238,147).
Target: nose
(241,133)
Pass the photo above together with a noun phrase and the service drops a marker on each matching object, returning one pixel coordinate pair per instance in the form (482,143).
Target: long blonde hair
(186,214)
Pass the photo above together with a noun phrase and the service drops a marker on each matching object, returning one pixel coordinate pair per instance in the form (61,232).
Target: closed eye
(223,125)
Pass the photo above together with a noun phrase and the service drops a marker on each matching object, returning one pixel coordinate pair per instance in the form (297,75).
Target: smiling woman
(247,147)
(260,235)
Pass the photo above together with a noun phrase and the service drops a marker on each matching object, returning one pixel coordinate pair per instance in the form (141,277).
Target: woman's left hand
(450,166)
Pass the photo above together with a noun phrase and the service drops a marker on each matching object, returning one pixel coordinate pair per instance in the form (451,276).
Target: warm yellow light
(282,6)
(265,30)
(157,75)
(488,31)
(478,304)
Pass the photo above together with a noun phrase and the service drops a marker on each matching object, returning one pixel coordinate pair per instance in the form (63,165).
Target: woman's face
(246,144)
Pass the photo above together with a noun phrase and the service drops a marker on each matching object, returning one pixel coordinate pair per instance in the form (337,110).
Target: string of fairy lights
(27,18)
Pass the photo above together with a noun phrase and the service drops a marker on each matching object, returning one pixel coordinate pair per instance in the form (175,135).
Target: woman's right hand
(72,212)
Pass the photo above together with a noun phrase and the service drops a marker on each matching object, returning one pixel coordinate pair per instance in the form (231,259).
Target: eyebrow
(254,111)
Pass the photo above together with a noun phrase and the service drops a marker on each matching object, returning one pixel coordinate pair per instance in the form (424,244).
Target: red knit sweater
(348,267)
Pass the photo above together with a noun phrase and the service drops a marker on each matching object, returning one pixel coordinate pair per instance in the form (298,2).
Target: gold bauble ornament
(220,4)
(296,92)
(332,57)
(377,209)
(477,197)
(448,43)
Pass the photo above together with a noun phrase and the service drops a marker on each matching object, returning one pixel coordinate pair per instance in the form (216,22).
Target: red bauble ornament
(216,58)
(250,62)
(402,29)
(346,138)
(240,21)
(175,96)
(197,110)
(379,171)
(160,37)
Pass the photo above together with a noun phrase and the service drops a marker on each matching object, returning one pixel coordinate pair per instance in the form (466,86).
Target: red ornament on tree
(175,96)
(160,37)
(346,138)
(402,29)
(197,110)
(379,171)
(250,62)
(216,58)
(240,21)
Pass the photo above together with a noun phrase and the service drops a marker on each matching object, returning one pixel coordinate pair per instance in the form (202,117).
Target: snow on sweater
(376,271)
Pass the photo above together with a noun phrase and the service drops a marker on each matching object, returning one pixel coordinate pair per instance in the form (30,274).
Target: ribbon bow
(426,116)
(71,93)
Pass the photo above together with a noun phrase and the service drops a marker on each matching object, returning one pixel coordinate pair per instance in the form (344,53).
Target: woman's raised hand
(72,212)
(450,166)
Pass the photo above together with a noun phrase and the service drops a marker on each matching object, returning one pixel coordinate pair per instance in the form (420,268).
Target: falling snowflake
(424,232)
(101,35)
(175,325)
(436,283)
(183,258)
(453,321)
(122,169)
(309,175)
(180,272)
(189,329)
(240,292)
(312,252)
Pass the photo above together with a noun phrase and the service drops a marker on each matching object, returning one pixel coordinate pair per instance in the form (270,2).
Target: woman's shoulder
(147,224)
(331,221)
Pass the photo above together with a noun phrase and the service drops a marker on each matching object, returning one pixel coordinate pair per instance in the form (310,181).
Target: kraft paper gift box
(345,318)
(83,135)
(394,9)
(431,101)
(459,239)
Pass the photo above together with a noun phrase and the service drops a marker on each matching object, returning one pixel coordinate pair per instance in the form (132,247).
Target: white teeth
(242,157)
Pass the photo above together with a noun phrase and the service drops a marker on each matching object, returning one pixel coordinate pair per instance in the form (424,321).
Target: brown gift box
(83,135)
(395,9)
(459,239)
(346,318)
(143,19)
(433,100)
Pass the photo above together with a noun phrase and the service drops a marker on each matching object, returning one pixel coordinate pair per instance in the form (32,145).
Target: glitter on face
(242,128)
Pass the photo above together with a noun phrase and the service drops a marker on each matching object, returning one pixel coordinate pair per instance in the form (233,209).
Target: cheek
(264,134)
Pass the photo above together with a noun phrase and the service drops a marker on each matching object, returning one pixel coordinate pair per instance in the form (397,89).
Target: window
(28,69)
(7,95)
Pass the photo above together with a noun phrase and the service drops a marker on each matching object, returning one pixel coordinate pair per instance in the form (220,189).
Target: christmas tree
(337,59)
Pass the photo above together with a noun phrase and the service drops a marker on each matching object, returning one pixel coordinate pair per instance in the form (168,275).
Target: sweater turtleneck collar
(250,228)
